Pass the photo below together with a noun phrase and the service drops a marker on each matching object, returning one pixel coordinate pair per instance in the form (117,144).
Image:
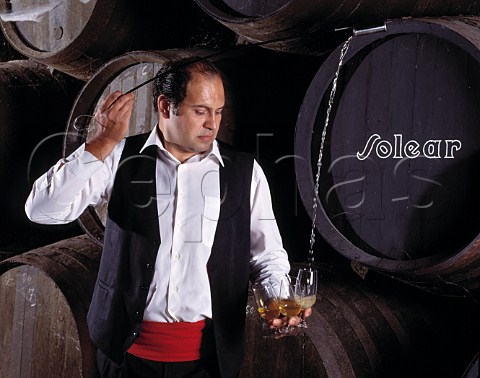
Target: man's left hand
(291,321)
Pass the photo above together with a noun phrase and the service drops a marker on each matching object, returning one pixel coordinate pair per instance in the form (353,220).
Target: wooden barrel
(473,369)
(401,155)
(77,37)
(305,26)
(255,82)
(45,295)
(34,106)
(367,329)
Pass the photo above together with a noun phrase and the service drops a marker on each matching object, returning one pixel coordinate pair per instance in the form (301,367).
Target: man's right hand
(113,118)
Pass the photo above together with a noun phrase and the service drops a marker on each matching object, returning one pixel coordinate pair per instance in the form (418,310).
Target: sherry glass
(306,290)
(267,303)
(288,302)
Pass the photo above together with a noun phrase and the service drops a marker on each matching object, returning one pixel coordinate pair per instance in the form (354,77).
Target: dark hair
(171,80)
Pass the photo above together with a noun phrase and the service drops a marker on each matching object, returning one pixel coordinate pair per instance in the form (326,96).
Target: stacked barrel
(398,182)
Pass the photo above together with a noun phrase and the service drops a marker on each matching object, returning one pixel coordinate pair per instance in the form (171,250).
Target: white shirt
(188,202)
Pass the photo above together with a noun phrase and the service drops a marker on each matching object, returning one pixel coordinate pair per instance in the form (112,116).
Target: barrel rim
(437,27)
(274,30)
(472,368)
(231,16)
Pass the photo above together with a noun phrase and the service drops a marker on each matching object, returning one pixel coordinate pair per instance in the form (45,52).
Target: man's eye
(199,112)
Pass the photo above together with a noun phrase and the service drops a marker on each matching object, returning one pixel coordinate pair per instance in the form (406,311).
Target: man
(189,223)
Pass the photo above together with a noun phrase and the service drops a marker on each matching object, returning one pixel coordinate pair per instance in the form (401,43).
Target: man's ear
(163,107)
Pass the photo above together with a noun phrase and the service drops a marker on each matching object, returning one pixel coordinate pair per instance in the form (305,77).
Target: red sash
(169,342)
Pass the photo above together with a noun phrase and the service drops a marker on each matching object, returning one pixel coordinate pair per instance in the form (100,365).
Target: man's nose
(210,122)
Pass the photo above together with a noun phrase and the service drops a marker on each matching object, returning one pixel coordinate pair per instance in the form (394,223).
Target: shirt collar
(154,140)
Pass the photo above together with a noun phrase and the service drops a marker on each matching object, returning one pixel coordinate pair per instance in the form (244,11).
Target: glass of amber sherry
(288,302)
(267,304)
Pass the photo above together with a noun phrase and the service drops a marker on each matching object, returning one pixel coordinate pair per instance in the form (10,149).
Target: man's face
(192,128)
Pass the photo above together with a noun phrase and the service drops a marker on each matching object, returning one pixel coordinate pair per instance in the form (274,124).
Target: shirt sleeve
(267,255)
(61,194)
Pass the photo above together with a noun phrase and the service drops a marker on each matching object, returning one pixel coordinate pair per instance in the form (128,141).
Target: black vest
(131,245)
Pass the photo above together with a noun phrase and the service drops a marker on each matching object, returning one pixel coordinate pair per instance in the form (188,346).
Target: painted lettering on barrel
(431,149)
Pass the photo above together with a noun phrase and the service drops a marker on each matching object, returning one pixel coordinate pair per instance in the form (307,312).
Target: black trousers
(136,367)
(140,368)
